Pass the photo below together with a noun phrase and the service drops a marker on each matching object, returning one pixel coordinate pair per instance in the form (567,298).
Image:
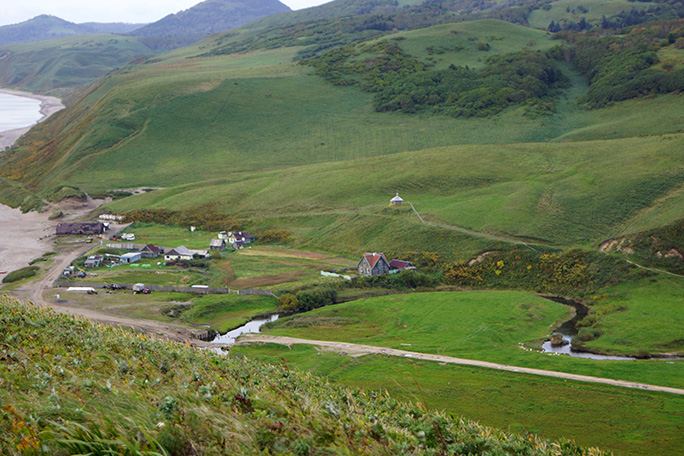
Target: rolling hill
(254,123)
(518,148)
(207,18)
(116,392)
(62,66)
(45,27)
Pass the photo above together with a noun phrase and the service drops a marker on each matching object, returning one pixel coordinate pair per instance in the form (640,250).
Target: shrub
(288,302)
(309,300)
(274,236)
(20,274)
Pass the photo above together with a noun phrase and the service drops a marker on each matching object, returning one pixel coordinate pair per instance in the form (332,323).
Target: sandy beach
(24,237)
(48,106)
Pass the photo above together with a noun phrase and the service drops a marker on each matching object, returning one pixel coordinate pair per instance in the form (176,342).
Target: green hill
(74,387)
(45,27)
(263,135)
(207,18)
(63,65)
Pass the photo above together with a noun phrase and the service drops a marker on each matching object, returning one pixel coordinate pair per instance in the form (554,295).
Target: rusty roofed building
(96,228)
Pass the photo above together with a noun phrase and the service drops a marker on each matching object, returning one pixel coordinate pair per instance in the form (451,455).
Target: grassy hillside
(574,10)
(561,194)
(111,391)
(258,111)
(62,65)
(549,407)
(492,326)
(45,27)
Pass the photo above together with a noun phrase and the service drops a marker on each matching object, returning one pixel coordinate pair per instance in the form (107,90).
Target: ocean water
(18,112)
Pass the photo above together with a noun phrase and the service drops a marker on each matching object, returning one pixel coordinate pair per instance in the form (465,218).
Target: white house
(131,257)
(179,253)
(397,201)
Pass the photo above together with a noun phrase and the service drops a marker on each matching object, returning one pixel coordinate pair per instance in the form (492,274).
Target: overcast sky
(132,11)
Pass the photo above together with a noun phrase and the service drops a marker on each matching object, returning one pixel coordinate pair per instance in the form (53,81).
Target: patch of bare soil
(269,279)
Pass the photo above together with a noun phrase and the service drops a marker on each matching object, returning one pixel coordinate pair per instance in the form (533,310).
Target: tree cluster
(401,82)
(620,67)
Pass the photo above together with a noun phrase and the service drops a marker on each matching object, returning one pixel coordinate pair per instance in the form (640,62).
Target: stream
(569,329)
(250,327)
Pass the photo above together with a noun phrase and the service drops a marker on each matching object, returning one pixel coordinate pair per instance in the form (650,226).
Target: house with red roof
(151,251)
(400,265)
(373,264)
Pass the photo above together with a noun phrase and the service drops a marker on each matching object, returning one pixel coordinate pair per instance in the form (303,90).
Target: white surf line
(369,349)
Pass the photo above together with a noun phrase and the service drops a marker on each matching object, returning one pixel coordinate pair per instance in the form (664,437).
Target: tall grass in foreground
(69,386)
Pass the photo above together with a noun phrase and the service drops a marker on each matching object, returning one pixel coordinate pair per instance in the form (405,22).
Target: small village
(114,261)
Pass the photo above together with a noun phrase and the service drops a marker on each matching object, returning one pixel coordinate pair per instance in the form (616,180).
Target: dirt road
(356,349)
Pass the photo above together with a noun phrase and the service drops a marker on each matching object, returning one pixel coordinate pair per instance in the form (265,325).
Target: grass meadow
(61,65)
(591,11)
(75,387)
(628,422)
(489,326)
(576,193)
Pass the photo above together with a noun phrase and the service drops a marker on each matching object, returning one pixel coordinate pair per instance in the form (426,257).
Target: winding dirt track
(356,349)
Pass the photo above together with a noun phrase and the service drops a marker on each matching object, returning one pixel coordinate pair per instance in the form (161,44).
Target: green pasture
(154,275)
(171,236)
(592,415)
(225,312)
(456,43)
(462,324)
(181,118)
(645,316)
(63,65)
(541,17)
(277,268)
(561,194)
(501,327)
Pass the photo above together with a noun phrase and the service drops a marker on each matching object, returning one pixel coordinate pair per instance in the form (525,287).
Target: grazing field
(501,327)
(628,422)
(61,66)
(78,388)
(645,316)
(559,194)
(225,312)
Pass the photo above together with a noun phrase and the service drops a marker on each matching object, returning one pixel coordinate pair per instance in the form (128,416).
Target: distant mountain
(209,17)
(46,27)
(112,27)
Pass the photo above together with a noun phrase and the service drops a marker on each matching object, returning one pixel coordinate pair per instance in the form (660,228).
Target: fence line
(167,288)
(257,292)
(129,286)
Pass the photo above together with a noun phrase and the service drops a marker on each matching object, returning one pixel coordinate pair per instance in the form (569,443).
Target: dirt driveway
(357,350)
